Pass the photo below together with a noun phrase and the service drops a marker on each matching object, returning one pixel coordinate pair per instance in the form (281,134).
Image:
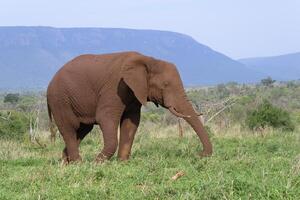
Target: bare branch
(4,118)
(220,111)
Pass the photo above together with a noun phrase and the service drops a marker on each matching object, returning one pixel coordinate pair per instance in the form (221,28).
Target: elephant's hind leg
(67,124)
(108,121)
(110,139)
(72,140)
(68,131)
(82,131)
(71,151)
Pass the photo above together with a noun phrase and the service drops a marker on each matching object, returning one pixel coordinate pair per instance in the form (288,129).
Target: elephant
(109,90)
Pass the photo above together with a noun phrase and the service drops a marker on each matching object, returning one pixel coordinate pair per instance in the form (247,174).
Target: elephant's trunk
(194,121)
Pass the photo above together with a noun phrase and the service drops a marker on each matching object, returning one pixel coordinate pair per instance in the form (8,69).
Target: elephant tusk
(174,112)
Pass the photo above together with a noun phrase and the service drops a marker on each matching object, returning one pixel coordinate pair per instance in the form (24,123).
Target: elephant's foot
(101,158)
(205,154)
(122,158)
(66,159)
(123,154)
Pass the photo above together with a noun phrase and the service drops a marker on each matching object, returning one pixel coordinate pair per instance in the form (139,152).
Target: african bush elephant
(109,90)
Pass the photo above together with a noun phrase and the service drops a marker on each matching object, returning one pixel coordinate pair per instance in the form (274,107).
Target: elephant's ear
(134,74)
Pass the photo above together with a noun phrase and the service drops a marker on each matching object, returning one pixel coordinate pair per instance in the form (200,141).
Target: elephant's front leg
(129,124)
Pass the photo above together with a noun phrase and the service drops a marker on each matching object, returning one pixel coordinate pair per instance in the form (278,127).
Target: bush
(11,98)
(27,103)
(268,82)
(13,125)
(267,115)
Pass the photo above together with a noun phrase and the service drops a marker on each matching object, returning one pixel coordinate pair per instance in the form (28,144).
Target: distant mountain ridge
(283,67)
(29,56)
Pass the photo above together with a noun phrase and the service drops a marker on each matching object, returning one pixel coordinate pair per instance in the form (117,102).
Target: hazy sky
(237,28)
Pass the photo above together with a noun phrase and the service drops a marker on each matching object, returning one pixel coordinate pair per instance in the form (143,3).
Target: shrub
(11,98)
(268,115)
(268,82)
(13,125)
(27,103)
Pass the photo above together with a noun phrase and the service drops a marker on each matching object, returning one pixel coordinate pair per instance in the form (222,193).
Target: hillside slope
(29,56)
(284,67)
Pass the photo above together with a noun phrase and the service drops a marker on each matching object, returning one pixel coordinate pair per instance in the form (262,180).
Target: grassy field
(242,167)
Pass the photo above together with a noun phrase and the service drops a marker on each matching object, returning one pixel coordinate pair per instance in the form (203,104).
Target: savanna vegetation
(254,130)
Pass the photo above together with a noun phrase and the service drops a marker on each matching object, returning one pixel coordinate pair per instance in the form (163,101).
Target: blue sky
(237,28)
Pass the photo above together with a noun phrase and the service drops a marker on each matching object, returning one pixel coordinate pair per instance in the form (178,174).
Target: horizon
(56,27)
(236,29)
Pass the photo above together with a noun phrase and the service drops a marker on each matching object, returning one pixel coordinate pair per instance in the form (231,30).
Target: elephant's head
(159,81)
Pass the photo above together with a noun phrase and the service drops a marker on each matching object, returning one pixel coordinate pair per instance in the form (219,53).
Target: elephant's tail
(51,125)
(49,113)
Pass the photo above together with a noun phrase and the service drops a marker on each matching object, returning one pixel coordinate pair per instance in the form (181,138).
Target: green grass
(248,167)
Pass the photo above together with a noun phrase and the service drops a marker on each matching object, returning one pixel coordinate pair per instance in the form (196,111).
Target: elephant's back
(84,70)
(89,72)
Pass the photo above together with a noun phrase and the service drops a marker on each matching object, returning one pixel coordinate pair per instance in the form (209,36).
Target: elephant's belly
(85,113)
(84,107)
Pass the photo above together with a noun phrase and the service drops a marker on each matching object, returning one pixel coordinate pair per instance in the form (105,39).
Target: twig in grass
(4,118)
(39,143)
(177,175)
